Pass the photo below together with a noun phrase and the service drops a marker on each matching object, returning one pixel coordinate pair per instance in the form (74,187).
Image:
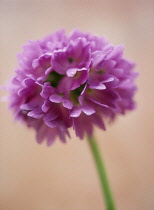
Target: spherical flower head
(71,81)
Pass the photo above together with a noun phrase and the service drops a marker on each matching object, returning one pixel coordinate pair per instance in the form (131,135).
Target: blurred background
(63,177)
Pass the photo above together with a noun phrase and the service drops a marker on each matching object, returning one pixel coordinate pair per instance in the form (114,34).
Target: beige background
(63,177)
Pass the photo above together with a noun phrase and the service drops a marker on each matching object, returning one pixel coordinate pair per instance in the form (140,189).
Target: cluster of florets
(71,81)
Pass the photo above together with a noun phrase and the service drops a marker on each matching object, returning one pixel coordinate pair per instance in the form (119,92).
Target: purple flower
(71,81)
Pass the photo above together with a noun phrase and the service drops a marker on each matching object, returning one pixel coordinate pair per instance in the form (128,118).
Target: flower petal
(76,112)
(55,98)
(88,110)
(67,103)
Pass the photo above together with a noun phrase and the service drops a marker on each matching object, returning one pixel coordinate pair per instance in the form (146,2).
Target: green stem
(102,174)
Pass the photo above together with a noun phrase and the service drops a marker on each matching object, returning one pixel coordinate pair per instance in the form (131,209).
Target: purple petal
(28,82)
(116,53)
(79,129)
(35,115)
(51,115)
(41,132)
(47,90)
(98,56)
(46,106)
(76,112)
(51,124)
(97,102)
(100,86)
(88,109)
(71,72)
(67,103)
(55,98)
(98,121)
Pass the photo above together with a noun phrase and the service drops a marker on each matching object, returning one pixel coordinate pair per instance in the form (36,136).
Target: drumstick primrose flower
(71,81)
(75,81)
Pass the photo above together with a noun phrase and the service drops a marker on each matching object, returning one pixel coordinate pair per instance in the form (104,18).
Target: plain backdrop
(63,177)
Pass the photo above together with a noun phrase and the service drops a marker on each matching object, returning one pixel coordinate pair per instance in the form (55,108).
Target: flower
(71,81)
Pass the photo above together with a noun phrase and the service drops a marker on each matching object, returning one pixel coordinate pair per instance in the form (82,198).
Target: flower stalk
(109,202)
